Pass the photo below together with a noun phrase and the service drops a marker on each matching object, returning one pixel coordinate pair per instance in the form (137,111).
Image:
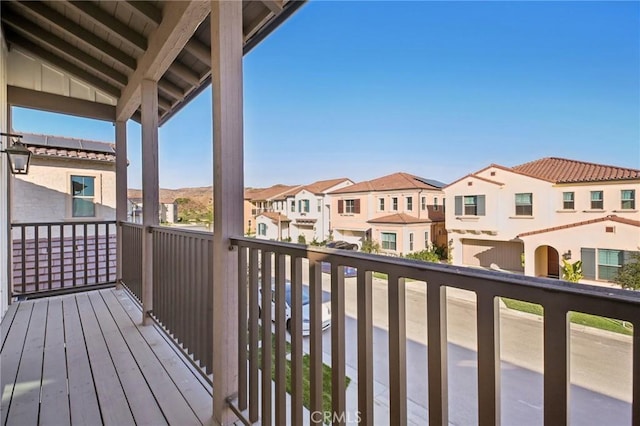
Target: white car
(306,315)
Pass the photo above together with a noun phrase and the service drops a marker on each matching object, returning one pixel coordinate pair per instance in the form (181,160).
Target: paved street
(600,363)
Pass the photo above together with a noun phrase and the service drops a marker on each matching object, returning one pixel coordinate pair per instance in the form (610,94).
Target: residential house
(273,226)
(168,210)
(309,209)
(402,212)
(526,218)
(248,208)
(260,200)
(69,180)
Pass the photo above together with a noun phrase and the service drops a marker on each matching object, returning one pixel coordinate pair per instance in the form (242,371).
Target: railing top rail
(130,224)
(70,222)
(409,268)
(189,232)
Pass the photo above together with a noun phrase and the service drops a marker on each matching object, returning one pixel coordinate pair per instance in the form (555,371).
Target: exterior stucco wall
(45,193)
(4,183)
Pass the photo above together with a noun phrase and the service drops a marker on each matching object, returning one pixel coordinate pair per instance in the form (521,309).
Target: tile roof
(562,170)
(272,191)
(249,193)
(612,218)
(319,187)
(401,218)
(275,216)
(395,181)
(475,176)
(69,148)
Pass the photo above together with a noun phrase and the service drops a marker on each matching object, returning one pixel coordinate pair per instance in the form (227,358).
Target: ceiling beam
(170,89)
(109,23)
(199,50)
(62,64)
(43,101)
(146,11)
(78,33)
(274,5)
(185,73)
(181,19)
(40,36)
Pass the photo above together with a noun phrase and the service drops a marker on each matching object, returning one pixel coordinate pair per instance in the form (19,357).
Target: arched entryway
(547,262)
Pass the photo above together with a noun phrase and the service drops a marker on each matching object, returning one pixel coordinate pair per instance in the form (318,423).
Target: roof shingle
(562,170)
(395,181)
(400,218)
(611,218)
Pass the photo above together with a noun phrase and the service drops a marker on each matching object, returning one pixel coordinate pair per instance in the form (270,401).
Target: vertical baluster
(253,337)
(281,354)
(635,409)
(266,337)
(488,328)
(296,342)
(36,240)
(74,252)
(242,327)
(397,351)
(315,342)
(23,243)
(86,253)
(62,256)
(437,354)
(96,245)
(338,395)
(365,346)
(108,250)
(556,365)
(49,251)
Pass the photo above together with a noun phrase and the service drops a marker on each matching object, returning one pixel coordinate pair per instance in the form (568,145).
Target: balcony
(108,348)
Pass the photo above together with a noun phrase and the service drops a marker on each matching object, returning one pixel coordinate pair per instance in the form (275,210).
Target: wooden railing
(182,292)
(132,257)
(62,256)
(263,263)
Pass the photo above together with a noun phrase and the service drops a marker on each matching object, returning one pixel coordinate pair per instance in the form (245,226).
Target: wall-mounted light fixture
(18,154)
(567,255)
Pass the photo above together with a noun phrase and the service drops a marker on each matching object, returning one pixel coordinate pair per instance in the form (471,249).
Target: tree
(629,275)
(572,272)
(370,246)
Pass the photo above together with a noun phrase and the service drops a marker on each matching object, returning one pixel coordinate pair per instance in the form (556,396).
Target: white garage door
(503,254)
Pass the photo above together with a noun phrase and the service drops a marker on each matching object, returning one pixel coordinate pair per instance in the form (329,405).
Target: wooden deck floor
(84,359)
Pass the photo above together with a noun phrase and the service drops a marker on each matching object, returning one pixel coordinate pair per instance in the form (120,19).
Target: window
(609,262)
(82,191)
(293,206)
(435,203)
(411,241)
(423,203)
(524,204)
(568,201)
(597,200)
(388,240)
(426,240)
(349,206)
(262,229)
(443,205)
(470,205)
(394,204)
(628,197)
(381,204)
(409,203)
(319,205)
(303,206)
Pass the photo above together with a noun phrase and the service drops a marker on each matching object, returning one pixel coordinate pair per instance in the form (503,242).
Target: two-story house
(526,218)
(402,212)
(258,201)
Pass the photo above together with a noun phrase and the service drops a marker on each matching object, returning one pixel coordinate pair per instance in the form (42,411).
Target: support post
(150,190)
(121,192)
(226,71)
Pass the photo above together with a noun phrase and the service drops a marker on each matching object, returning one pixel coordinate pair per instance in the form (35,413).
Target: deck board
(6,322)
(54,402)
(118,371)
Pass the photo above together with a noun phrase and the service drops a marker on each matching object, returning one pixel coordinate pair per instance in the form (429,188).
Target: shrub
(302,239)
(428,255)
(572,272)
(629,275)
(370,246)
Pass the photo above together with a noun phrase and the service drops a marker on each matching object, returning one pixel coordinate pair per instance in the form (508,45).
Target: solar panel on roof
(66,143)
(97,146)
(432,182)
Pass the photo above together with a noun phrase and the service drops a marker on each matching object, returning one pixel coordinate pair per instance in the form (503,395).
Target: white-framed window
(427,242)
(409,203)
(524,204)
(319,205)
(388,240)
(628,199)
(394,204)
(568,201)
(597,200)
(303,206)
(435,203)
(293,206)
(349,206)
(82,196)
(423,203)
(609,263)
(262,229)
(381,204)
(471,205)
(410,241)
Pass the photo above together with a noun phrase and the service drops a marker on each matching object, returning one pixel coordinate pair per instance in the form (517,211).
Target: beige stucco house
(402,212)
(69,180)
(525,219)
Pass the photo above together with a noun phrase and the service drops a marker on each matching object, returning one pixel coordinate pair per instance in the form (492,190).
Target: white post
(150,189)
(226,71)
(121,191)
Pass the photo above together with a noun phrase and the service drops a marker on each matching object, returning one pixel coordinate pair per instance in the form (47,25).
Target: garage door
(503,254)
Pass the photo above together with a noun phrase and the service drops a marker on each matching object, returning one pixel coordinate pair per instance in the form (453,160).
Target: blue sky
(438,89)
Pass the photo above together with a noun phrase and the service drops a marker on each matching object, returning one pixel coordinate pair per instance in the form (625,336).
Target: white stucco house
(526,218)
(273,226)
(168,210)
(69,180)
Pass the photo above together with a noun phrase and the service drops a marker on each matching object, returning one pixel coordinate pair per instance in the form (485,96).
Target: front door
(553,263)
